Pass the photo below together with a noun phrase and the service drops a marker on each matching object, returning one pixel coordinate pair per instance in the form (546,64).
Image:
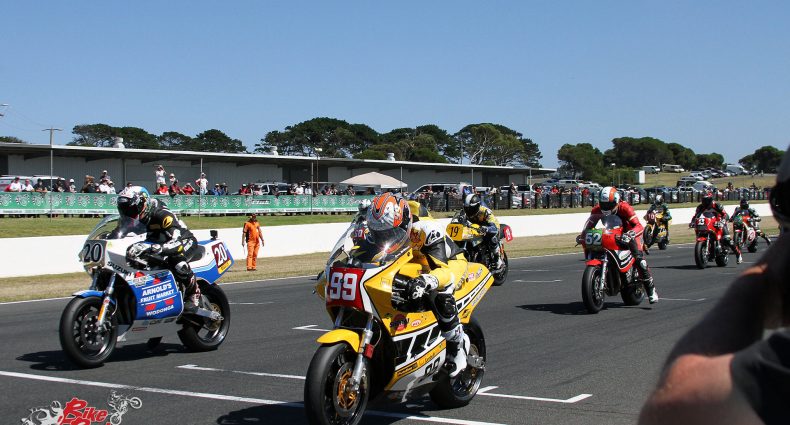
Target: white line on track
(264,303)
(224,397)
(211,369)
(683,299)
(538,281)
(35,301)
(310,328)
(485,392)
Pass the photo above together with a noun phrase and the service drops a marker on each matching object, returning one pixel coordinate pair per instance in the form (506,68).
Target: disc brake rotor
(345,401)
(90,335)
(213,325)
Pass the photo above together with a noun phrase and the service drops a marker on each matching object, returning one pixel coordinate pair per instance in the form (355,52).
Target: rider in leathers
(659,207)
(485,218)
(169,238)
(443,264)
(744,209)
(709,205)
(609,203)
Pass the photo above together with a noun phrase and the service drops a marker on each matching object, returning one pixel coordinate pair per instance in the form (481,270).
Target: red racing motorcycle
(710,229)
(610,269)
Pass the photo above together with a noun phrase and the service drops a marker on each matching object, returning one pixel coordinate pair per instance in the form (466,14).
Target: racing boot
(457,350)
(192,296)
(647,280)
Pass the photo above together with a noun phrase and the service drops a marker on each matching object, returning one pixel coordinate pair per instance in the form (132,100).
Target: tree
(495,144)
(582,160)
(98,135)
(174,140)
(765,159)
(682,156)
(11,139)
(709,160)
(137,138)
(408,144)
(632,152)
(336,138)
(216,141)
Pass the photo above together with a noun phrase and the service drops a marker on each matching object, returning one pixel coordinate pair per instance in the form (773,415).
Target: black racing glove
(409,295)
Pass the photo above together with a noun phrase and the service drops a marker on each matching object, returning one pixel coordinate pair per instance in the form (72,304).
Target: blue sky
(712,76)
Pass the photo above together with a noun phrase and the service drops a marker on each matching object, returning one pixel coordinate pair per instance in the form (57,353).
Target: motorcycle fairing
(624,260)
(214,263)
(157,296)
(87,293)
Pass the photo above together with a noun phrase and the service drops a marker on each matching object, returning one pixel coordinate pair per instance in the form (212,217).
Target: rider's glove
(492,229)
(408,295)
(155,249)
(579,239)
(627,236)
(719,224)
(137,249)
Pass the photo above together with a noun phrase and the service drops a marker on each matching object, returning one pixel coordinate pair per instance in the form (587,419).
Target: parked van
(567,182)
(651,169)
(686,181)
(672,168)
(735,169)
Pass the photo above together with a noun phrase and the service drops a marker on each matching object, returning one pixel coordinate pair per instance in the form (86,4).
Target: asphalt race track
(549,362)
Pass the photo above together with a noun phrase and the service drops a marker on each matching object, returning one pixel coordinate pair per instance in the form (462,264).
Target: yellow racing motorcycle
(376,351)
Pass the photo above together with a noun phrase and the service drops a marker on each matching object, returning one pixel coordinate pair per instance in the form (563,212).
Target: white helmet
(364,205)
(608,200)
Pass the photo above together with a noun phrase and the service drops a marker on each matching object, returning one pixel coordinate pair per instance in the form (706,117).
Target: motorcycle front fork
(105,302)
(359,363)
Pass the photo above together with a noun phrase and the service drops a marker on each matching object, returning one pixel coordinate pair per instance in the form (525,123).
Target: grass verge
(62,285)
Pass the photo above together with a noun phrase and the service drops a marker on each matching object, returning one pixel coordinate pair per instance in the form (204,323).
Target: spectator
(27,187)
(332,189)
(72,187)
(40,186)
(111,188)
(162,189)
(171,179)
(215,191)
(350,190)
(250,235)
(256,190)
(299,190)
(104,175)
(513,190)
(188,189)
(14,186)
(174,189)
(89,186)
(202,184)
(104,187)
(307,189)
(60,186)
(223,189)
(160,174)
(325,190)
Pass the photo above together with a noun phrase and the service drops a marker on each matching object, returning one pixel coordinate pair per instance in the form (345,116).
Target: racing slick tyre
(701,254)
(499,277)
(648,235)
(722,259)
(632,295)
(326,400)
(593,289)
(663,245)
(459,391)
(82,341)
(201,333)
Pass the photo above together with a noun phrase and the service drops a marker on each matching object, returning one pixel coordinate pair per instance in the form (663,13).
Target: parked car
(442,187)
(274,188)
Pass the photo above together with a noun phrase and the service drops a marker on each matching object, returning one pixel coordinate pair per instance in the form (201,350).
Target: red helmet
(707,198)
(608,200)
(388,218)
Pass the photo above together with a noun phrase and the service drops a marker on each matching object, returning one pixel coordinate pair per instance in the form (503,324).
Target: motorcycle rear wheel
(662,245)
(206,334)
(632,295)
(327,376)
(722,259)
(456,392)
(701,254)
(593,293)
(79,338)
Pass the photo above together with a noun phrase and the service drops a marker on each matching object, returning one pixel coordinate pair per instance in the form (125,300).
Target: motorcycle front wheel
(593,289)
(701,254)
(82,341)
(327,399)
(201,333)
(456,392)
(499,278)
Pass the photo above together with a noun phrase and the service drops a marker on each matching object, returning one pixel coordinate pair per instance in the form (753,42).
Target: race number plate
(343,288)
(455,231)
(93,252)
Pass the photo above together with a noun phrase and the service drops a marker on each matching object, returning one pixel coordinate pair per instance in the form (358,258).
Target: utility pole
(52,131)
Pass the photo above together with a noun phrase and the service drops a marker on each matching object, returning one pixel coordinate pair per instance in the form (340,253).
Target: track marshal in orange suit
(251,235)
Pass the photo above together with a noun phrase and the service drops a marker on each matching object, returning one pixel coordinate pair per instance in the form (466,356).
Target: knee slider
(445,306)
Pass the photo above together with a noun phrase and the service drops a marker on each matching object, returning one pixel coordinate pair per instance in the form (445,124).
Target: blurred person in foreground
(723,371)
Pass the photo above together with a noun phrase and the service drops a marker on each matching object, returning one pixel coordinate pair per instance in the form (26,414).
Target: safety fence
(31,203)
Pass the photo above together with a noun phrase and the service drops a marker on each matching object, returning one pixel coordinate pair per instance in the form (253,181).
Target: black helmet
(132,201)
(471,204)
(780,193)
(744,204)
(707,199)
